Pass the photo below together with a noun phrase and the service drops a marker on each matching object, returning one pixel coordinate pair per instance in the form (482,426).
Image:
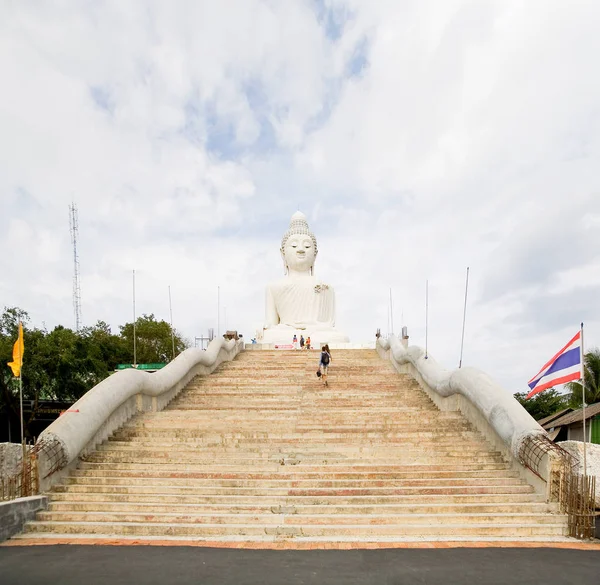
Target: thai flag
(564,367)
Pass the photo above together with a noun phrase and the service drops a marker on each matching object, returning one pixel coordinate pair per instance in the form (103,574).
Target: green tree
(591,362)
(543,404)
(153,340)
(104,347)
(63,364)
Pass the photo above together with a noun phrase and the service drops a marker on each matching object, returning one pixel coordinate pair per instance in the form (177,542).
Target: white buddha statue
(299,303)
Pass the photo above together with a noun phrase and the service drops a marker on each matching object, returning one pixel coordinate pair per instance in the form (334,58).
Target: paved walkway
(128,565)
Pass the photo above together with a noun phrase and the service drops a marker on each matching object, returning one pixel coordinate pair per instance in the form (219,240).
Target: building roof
(575,416)
(543,421)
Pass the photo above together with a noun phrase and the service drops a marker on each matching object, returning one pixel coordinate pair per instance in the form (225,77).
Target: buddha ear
(286,268)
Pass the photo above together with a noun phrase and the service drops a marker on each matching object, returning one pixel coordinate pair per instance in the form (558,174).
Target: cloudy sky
(419,137)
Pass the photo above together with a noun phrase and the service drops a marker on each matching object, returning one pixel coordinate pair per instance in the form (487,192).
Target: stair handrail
(109,404)
(527,440)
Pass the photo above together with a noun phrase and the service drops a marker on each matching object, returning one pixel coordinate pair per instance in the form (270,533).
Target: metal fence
(575,493)
(24,482)
(578,503)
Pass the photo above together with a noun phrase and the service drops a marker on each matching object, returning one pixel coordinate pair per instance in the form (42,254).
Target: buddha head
(299,246)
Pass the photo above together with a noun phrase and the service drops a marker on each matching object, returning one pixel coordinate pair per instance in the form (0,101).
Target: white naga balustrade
(108,405)
(488,406)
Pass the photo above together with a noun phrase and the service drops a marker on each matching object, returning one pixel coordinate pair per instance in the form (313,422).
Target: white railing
(488,406)
(112,402)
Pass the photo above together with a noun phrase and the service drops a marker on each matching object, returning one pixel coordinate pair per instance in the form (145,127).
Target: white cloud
(419,137)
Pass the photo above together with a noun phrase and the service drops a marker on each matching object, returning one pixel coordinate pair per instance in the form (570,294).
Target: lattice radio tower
(74,223)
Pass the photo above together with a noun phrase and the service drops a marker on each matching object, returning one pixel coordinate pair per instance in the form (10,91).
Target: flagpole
(426,314)
(583,401)
(462,339)
(23,448)
(172,330)
(21,404)
(219,312)
(134,340)
(391,313)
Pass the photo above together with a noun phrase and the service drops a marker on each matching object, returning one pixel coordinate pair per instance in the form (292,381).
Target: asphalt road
(92,565)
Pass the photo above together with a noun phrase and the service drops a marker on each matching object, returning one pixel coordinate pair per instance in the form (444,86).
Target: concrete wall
(15,513)
(11,455)
(491,410)
(592,457)
(110,404)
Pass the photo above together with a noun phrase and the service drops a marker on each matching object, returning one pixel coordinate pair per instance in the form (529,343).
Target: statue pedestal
(282,335)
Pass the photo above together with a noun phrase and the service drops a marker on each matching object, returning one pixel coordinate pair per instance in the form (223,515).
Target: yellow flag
(18,351)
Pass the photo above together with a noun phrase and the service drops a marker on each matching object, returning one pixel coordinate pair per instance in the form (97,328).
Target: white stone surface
(592,457)
(300,303)
(11,455)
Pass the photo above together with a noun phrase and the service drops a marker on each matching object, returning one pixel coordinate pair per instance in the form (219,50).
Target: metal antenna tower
(74,224)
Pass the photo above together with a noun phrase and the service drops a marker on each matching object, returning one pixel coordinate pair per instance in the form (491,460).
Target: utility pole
(134,333)
(172,330)
(74,226)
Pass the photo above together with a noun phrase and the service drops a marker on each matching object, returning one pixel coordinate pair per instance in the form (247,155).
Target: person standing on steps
(302,342)
(324,363)
(308,342)
(295,342)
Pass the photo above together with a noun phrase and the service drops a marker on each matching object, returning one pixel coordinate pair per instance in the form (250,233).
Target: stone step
(415,418)
(392,412)
(291,530)
(263,435)
(271,447)
(302,519)
(356,430)
(178,450)
(151,488)
(334,461)
(264,508)
(298,500)
(302,483)
(362,467)
(292,402)
(289,474)
(353,431)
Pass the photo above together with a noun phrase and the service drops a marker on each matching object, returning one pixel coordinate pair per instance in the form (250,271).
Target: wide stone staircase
(261,452)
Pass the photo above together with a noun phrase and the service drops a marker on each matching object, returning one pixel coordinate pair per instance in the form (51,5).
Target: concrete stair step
(292,530)
(288,474)
(276,467)
(269,448)
(151,488)
(252,507)
(306,438)
(353,432)
(299,500)
(275,461)
(298,519)
(418,414)
(292,483)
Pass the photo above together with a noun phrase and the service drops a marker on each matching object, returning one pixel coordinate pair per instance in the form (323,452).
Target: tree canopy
(543,404)
(591,362)
(63,364)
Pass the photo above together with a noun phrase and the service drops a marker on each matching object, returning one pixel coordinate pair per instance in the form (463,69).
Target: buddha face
(299,253)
